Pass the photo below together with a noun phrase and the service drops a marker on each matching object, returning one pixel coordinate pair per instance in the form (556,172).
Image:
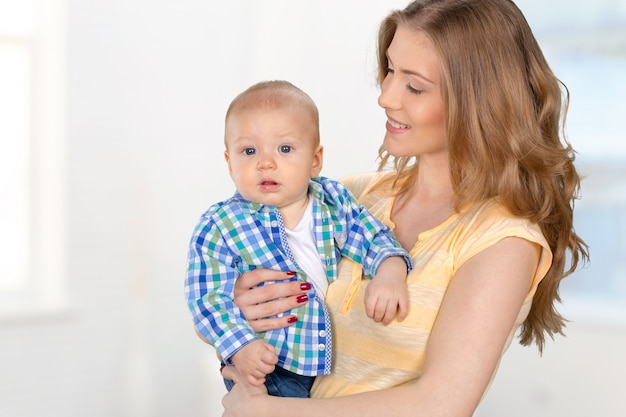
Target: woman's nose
(389,97)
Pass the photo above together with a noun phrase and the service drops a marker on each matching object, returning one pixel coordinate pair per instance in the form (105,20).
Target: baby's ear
(318,161)
(227,159)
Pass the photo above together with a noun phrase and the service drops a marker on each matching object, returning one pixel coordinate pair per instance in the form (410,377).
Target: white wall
(148,85)
(579,375)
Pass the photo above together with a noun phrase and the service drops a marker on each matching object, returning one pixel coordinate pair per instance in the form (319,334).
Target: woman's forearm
(409,401)
(423,398)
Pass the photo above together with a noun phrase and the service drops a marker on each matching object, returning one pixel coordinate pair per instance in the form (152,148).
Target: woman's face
(411,97)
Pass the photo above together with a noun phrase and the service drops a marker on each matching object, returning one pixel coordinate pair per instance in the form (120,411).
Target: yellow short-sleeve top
(369,356)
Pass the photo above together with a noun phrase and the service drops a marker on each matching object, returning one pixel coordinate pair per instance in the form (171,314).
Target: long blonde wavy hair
(505,124)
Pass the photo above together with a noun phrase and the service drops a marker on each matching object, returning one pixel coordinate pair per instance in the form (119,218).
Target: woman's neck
(432,179)
(428,202)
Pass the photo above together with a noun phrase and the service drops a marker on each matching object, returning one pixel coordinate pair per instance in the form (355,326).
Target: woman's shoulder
(493,211)
(492,214)
(490,222)
(365,182)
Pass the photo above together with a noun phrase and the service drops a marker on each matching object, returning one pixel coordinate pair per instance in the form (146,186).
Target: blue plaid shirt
(237,235)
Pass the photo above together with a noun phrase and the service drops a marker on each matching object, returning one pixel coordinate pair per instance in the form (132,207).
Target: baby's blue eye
(285,148)
(249,151)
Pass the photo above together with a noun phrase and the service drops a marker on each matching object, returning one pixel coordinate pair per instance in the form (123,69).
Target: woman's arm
(475,319)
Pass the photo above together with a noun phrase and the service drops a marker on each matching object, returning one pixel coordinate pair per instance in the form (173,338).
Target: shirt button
(322,333)
(274,223)
(341,238)
(321,346)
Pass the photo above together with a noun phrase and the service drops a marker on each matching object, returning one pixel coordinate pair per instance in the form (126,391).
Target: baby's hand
(386,294)
(255,360)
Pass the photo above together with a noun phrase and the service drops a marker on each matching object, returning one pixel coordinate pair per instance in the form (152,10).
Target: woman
(481,195)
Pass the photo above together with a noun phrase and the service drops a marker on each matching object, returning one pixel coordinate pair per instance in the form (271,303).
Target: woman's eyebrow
(411,72)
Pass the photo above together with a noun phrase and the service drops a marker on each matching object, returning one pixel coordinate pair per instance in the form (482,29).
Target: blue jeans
(283,383)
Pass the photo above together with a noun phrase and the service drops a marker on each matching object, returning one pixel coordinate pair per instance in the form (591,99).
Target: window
(31,156)
(15,69)
(586,47)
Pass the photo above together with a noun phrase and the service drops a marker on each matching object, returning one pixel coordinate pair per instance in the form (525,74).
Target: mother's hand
(243,399)
(260,303)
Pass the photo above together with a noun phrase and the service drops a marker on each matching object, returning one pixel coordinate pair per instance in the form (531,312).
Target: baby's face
(272,154)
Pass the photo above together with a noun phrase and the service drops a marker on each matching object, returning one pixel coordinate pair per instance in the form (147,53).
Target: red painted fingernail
(302,298)
(291,273)
(305,286)
(292,319)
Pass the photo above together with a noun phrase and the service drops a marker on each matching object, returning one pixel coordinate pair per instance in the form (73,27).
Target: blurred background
(111,116)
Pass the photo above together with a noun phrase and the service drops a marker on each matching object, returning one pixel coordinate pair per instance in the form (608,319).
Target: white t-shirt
(304,249)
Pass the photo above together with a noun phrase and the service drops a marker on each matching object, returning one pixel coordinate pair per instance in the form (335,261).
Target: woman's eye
(285,148)
(389,70)
(249,151)
(413,90)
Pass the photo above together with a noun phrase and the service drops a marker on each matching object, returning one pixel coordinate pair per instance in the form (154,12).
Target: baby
(284,216)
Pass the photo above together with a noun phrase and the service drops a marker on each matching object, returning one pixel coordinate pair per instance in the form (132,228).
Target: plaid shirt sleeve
(367,240)
(209,286)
